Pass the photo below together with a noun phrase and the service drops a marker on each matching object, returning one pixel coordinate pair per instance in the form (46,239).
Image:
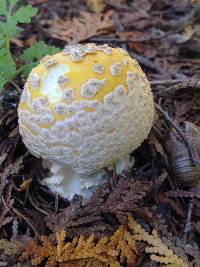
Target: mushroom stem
(66,182)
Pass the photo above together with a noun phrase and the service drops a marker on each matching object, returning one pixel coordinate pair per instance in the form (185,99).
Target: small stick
(56,202)
(27,221)
(188,225)
(107,40)
(36,207)
(194,84)
(181,134)
(167,82)
(116,5)
(107,171)
(114,175)
(147,63)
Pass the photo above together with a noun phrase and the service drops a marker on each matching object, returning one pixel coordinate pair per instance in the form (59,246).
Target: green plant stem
(18,71)
(16,86)
(7,38)
(8,44)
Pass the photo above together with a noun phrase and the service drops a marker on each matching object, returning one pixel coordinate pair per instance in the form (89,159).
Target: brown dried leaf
(79,29)
(134,36)
(96,6)
(196,226)
(10,247)
(182,166)
(192,132)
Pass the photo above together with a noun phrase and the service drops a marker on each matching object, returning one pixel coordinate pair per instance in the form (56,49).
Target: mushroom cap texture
(86,107)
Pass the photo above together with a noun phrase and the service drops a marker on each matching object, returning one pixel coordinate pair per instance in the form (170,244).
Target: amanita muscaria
(84,109)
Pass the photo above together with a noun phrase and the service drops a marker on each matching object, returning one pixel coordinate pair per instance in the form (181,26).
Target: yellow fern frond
(158,251)
(114,251)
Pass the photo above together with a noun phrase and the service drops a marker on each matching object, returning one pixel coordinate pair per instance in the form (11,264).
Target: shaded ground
(163,189)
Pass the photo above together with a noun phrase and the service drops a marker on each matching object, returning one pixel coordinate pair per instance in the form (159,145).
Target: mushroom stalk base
(66,181)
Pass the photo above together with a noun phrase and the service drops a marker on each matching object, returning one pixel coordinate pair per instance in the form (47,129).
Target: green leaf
(13,15)
(1,40)
(2,83)
(7,68)
(7,64)
(10,29)
(3,8)
(13,2)
(33,54)
(25,13)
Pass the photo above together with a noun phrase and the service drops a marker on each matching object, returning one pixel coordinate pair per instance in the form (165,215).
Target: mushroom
(84,109)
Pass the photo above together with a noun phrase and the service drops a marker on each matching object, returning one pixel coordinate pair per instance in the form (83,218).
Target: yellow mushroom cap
(86,107)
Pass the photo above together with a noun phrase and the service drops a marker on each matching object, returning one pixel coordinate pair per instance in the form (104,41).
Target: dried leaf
(181,163)
(81,28)
(158,251)
(192,132)
(10,247)
(26,184)
(96,6)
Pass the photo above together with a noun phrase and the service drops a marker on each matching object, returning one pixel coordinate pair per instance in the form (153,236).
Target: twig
(107,171)
(119,6)
(16,86)
(188,225)
(3,179)
(181,134)
(27,221)
(147,63)
(167,82)
(107,40)
(35,206)
(194,84)
(114,175)
(56,202)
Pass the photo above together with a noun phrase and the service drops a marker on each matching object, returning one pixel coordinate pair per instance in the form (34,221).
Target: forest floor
(162,192)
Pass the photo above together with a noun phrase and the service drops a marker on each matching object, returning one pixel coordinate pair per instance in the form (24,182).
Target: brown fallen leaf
(26,184)
(79,29)
(96,6)
(17,42)
(184,170)
(30,41)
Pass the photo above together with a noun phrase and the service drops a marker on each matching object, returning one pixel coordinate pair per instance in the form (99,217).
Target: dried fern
(158,251)
(114,251)
(10,248)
